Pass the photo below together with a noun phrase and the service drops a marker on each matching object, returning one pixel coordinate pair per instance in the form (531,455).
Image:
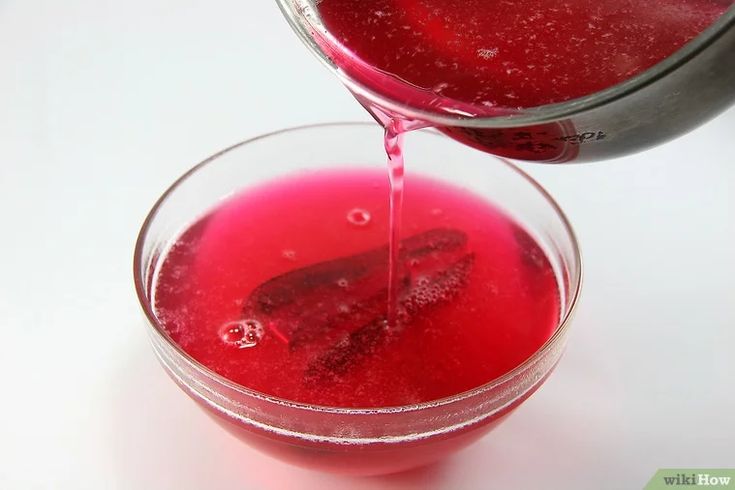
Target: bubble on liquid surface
(422,281)
(439,87)
(487,53)
(288,254)
(358,217)
(343,283)
(242,333)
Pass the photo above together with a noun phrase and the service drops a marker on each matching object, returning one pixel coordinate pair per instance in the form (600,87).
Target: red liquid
(481,56)
(300,267)
(393,142)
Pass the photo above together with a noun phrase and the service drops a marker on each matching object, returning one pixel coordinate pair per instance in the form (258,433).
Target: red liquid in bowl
(283,289)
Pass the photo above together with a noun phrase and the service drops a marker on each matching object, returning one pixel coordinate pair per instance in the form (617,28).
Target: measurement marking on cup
(586,137)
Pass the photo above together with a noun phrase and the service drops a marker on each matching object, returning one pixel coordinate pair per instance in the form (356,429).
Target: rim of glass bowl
(526,116)
(140,289)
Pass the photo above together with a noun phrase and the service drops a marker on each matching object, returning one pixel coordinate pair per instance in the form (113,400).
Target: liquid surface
(283,289)
(482,56)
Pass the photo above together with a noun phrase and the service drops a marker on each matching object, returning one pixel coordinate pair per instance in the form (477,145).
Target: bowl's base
(370,459)
(358,460)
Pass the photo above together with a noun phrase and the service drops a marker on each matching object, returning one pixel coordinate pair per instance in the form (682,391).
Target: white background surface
(103,103)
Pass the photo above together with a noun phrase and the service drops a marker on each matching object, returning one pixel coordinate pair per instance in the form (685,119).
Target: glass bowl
(352,440)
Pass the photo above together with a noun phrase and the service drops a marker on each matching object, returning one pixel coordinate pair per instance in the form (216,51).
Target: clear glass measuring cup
(678,94)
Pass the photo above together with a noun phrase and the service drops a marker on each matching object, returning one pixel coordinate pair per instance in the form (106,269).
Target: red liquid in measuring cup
(480,57)
(282,288)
